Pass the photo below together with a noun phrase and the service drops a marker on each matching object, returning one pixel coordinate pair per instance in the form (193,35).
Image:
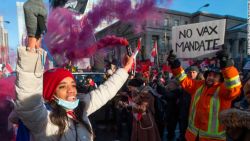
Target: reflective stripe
(233,82)
(213,121)
(213,114)
(196,99)
(181,76)
(204,134)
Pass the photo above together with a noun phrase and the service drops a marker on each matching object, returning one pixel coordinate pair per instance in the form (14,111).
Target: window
(165,43)
(166,22)
(186,22)
(176,22)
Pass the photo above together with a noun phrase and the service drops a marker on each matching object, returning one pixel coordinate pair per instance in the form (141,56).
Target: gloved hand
(224,59)
(173,61)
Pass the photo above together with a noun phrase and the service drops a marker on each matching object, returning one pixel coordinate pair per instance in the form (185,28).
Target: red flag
(139,44)
(7,70)
(190,62)
(153,53)
(166,68)
(138,47)
(154,50)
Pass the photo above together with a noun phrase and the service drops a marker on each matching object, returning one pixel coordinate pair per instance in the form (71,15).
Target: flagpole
(135,65)
(157,57)
(137,51)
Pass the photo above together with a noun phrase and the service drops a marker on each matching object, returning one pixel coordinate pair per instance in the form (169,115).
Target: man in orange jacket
(209,97)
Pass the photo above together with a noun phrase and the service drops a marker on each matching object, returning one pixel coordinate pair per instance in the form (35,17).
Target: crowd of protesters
(154,106)
(205,103)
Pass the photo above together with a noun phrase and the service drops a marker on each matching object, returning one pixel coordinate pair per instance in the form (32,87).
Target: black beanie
(194,68)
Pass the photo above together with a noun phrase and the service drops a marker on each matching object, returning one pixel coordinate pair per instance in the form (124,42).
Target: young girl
(61,115)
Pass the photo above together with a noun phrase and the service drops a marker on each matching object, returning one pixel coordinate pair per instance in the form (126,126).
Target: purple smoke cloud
(7,89)
(68,37)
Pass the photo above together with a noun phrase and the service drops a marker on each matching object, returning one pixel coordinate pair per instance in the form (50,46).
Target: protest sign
(198,40)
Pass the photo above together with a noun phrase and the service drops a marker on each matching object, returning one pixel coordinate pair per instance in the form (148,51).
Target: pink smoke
(7,89)
(104,43)
(69,38)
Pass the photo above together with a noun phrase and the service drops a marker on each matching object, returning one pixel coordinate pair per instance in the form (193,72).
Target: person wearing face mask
(208,97)
(48,104)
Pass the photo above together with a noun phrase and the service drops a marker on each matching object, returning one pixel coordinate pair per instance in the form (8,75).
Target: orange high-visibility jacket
(208,102)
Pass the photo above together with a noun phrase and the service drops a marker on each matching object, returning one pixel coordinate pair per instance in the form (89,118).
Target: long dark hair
(59,117)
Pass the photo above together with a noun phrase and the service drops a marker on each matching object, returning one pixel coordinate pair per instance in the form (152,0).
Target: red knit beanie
(51,79)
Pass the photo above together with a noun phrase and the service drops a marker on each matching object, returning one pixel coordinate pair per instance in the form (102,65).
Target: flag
(166,68)
(139,44)
(191,62)
(154,50)
(153,53)
(205,63)
(7,69)
(134,67)
(138,47)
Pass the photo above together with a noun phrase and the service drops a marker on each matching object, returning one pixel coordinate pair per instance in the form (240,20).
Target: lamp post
(205,5)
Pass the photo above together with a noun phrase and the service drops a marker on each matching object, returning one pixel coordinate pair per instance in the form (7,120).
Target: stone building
(161,32)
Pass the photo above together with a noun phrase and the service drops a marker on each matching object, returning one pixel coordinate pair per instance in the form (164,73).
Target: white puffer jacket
(30,107)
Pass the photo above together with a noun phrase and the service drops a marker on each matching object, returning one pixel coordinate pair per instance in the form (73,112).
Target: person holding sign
(209,97)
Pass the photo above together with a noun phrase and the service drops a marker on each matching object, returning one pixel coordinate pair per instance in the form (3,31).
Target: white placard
(198,40)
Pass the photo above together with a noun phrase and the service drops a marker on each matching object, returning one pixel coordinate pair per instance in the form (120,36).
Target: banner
(198,40)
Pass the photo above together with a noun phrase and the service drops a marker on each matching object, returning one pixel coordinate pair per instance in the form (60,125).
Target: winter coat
(144,128)
(237,123)
(30,107)
(208,102)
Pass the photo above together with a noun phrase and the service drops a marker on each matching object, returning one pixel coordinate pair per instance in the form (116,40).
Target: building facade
(21,24)
(4,43)
(160,31)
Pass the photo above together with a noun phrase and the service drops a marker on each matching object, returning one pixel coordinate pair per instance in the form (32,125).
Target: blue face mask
(67,105)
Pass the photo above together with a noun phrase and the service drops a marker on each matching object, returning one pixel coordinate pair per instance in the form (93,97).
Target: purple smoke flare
(69,38)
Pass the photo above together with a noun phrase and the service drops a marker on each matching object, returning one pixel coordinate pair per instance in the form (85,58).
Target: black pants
(183,124)
(172,119)
(197,138)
